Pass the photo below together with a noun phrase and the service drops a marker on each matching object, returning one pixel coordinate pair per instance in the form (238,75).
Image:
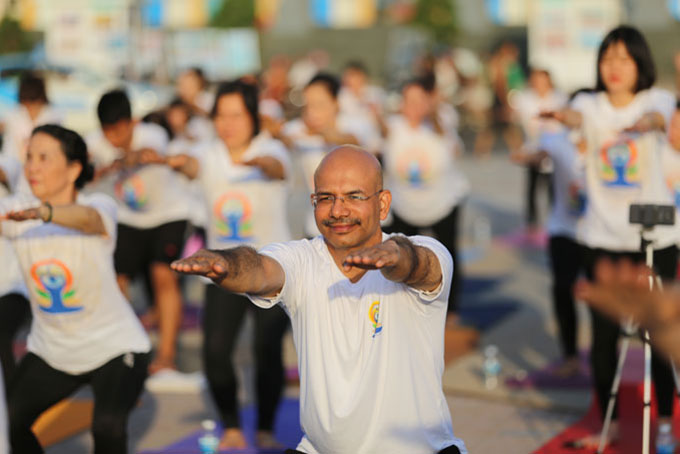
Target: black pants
(534,179)
(36,387)
(603,355)
(453,449)
(222,320)
(565,258)
(446,231)
(15,311)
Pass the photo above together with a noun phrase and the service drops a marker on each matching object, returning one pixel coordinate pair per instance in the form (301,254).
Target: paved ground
(490,421)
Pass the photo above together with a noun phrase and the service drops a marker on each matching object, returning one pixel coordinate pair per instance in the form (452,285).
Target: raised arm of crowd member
(570,118)
(621,291)
(50,144)
(239,270)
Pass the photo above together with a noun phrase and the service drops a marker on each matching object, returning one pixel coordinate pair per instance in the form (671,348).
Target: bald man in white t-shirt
(368,312)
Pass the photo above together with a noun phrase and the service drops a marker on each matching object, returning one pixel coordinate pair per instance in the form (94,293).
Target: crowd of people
(367,298)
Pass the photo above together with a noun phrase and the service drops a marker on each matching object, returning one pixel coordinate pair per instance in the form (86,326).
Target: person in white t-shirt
(539,96)
(243,177)
(83,330)
(15,311)
(671,157)
(422,172)
(368,312)
(152,207)
(192,89)
(622,123)
(33,110)
(320,128)
(564,250)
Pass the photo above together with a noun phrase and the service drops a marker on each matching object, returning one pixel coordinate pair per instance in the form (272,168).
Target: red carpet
(630,416)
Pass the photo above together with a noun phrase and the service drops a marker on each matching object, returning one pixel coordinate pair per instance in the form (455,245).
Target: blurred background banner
(566,34)
(343,13)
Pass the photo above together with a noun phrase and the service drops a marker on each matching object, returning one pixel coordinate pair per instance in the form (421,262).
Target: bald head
(346,160)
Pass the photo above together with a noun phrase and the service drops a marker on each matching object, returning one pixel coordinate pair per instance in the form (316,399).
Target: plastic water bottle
(665,443)
(208,441)
(492,367)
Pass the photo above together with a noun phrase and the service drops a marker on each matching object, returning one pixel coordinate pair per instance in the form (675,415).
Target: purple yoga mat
(547,378)
(286,428)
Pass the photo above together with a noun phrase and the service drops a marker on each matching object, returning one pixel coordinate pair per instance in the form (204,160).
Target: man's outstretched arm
(239,270)
(400,260)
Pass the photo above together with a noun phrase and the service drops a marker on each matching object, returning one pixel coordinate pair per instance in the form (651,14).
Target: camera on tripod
(650,215)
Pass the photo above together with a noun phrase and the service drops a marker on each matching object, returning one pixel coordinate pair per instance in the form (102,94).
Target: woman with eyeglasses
(421,171)
(623,121)
(83,331)
(243,175)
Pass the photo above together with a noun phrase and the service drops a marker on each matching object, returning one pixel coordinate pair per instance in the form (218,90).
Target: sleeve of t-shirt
(106,207)
(11,167)
(583,103)
(290,255)
(152,136)
(662,101)
(441,293)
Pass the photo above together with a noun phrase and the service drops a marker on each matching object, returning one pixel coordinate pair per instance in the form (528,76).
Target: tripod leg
(647,394)
(614,392)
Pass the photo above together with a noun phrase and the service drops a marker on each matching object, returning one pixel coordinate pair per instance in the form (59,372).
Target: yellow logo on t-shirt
(131,191)
(619,164)
(54,287)
(374,316)
(233,212)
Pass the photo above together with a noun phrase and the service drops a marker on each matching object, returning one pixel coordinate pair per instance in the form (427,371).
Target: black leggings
(534,179)
(603,356)
(15,311)
(222,320)
(565,258)
(36,386)
(446,231)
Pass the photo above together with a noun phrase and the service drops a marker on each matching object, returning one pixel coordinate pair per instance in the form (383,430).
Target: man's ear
(385,199)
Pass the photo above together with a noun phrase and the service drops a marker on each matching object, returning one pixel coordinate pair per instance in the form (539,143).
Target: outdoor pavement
(499,270)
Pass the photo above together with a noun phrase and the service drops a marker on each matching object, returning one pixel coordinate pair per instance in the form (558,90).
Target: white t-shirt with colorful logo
(371,354)
(81,320)
(421,171)
(622,169)
(244,205)
(148,195)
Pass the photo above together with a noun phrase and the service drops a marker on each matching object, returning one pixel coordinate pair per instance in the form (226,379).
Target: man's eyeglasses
(351,199)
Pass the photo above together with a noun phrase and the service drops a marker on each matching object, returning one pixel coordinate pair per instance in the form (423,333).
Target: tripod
(630,329)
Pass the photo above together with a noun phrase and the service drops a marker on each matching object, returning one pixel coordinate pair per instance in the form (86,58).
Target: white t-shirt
(568,205)
(310,150)
(192,197)
(671,168)
(80,318)
(421,171)
(244,206)
(622,169)
(11,280)
(147,196)
(371,354)
(19,126)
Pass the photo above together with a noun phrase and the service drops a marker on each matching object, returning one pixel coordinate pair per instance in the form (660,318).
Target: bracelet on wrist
(48,218)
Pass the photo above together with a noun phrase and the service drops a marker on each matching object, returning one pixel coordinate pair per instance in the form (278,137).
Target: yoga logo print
(374,317)
(132,192)
(54,286)
(414,167)
(619,164)
(233,213)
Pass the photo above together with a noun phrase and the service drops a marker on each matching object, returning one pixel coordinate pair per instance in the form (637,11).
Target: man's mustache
(341,221)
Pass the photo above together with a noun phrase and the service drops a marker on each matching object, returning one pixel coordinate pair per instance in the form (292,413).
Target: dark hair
(329,81)
(113,107)
(677,104)
(426,83)
(32,88)
(198,72)
(250,96)
(74,148)
(637,47)
(357,65)
(577,92)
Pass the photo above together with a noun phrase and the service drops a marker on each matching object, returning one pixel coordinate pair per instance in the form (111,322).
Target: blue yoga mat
(286,428)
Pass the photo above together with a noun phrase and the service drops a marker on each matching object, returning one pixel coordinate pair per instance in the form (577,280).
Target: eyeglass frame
(358,197)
